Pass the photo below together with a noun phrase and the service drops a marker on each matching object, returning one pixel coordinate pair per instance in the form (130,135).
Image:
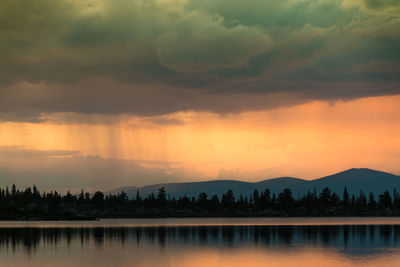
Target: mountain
(355,180)
(366,180)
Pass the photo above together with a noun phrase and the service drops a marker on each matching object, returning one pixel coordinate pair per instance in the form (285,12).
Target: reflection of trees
(386,232)
(347,237)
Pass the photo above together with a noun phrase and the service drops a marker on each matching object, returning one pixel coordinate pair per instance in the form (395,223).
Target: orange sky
(103,94)
(309,140)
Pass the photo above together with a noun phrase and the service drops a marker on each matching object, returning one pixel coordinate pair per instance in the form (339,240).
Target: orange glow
(308,140)
(303,257)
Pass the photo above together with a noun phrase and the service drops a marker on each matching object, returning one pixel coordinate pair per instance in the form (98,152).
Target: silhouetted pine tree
(30,203)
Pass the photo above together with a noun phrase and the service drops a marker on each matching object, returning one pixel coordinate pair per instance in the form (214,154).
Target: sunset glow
(185,90)
(308,140)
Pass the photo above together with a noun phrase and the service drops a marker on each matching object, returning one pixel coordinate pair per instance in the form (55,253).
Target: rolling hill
(355,180)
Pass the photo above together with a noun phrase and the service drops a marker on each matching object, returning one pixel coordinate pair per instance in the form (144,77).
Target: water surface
(203,242)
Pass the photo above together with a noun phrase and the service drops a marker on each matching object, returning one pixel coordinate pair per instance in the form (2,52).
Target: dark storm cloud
(381,4)
(155,57)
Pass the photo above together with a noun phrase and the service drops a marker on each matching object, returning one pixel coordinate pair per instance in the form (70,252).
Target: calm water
(203,242)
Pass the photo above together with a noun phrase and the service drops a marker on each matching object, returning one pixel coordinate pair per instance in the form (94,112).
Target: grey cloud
(22,152)
(381,4)
(201,43)
(50,170)
(163,121)
(149,58)
(103,106)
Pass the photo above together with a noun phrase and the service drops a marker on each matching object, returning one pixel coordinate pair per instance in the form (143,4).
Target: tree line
(32,204)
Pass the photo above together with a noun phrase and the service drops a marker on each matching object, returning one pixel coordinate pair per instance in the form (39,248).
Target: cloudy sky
(99,94)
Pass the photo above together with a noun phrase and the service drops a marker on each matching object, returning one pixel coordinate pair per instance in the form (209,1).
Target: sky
(99,94)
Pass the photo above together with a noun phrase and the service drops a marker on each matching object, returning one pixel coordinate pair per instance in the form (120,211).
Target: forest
(31,204)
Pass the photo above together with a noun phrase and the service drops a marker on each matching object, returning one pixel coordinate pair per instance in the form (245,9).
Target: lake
(203,242)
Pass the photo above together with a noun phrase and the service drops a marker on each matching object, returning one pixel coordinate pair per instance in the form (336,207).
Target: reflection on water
(347,237)
(330,245)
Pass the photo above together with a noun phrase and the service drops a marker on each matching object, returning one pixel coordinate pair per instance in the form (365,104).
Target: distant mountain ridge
(355,180)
